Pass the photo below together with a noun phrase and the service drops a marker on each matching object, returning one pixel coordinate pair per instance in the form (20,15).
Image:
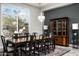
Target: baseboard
(71,45)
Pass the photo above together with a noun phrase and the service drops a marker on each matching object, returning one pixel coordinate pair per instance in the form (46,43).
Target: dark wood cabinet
(60,28)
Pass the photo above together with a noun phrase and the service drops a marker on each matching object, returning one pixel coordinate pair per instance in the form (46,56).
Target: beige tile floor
(72,52)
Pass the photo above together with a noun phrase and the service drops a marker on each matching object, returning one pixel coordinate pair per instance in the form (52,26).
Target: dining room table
(19,41)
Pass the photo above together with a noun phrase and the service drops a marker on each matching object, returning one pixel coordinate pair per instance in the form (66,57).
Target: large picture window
(14,19)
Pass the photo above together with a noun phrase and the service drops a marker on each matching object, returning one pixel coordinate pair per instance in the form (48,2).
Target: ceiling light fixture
(41,17)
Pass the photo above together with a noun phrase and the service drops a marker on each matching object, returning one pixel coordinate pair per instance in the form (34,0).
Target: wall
(34,24)
(71,11)
(0,26)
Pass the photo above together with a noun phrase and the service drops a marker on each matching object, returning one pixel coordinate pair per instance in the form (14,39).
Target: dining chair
(22,47)
(44,47)
(28,48)
(6,49)
(52,43)
(49,43)
(39,45)
(26,45)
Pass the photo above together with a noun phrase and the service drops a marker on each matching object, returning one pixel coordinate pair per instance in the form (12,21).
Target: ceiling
(39,5)
(48,6)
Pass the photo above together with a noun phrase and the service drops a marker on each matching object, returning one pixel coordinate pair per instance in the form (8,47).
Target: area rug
(58,52)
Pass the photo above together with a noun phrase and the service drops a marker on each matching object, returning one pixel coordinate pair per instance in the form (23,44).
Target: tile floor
(72,52)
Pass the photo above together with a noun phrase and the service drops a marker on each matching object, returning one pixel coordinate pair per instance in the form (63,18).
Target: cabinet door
(59,41)
(64,27)
(59,27)
(64,41)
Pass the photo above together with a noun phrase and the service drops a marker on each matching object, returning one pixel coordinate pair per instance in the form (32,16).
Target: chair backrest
(27,36)
(4,43)
(31,42)
(31,38)
(34,33)
(41,37)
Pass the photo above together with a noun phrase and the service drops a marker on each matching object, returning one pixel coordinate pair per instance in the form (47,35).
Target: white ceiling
(39,5)
(48,6)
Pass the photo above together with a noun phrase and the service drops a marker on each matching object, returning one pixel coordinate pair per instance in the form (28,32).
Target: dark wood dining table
(20,41)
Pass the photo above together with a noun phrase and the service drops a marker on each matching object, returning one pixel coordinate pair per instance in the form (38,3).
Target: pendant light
(41,17)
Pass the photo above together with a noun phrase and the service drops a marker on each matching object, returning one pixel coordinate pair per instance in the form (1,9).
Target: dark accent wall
(71,11)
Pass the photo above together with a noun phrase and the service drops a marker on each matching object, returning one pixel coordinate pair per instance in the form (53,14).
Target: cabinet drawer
(59,41)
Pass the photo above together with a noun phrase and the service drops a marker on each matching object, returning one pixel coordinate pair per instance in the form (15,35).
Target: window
(14,18)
